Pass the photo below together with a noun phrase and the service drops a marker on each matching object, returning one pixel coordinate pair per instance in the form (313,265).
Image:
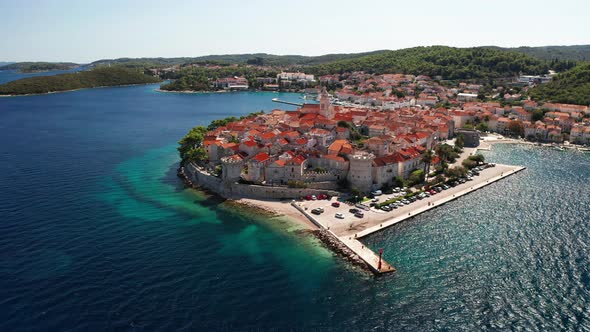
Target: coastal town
(502,108)
(374,134)
(393,146)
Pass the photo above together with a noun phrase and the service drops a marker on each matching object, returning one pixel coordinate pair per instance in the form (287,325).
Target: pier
(276,100)
(351,230)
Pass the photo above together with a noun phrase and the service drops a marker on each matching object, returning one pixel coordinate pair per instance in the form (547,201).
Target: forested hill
(261,59)
(570,87)
(104,76)
(448,62)
(564,53)
(27,67)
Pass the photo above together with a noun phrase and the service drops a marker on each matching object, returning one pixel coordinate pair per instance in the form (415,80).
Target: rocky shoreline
(330,241)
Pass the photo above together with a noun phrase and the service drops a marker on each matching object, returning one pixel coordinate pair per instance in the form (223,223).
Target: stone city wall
(237,190)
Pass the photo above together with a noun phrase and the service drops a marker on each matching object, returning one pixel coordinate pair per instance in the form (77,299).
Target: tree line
(103,76)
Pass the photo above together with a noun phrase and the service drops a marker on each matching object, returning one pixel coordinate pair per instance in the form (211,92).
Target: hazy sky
(87,30)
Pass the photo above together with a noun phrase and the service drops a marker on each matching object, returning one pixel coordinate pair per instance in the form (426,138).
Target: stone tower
(325,108)
(360,174)
(231,168)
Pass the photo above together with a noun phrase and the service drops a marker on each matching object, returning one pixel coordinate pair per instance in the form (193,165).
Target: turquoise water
(98,233)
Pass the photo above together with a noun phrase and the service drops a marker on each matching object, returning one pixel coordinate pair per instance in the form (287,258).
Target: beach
(279,208)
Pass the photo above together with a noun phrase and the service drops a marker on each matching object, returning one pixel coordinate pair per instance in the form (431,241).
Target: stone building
(470,137)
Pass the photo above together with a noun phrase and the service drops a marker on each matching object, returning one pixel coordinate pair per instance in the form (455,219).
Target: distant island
(98,77)
(33,67)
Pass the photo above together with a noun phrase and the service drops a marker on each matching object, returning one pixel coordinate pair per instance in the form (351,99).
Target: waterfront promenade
(351,229)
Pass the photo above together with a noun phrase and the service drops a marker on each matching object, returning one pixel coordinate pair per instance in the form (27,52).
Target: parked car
(445,187)
(353,211)
(322,196)
(432,192)
(314,198)
(308,197)
(359,214)
(393,206)
(377,193)
(385,208)
(438,189)
(316,211)
(339,215)
(335,204)
(362,206)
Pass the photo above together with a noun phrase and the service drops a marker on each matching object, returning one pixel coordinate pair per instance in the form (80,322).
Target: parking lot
(350,224)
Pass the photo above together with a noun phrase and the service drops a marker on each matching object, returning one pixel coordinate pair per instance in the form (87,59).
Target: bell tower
(325,107)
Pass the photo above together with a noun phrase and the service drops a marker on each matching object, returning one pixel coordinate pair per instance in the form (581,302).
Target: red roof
(389,159)
(250,143)
(268,135)
(262,157)
(280,163)
(301,141)
(297,160)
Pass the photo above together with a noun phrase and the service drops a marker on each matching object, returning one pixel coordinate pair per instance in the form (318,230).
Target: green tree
(469,164)
(456,172)
(417,176)
(483,126)
(479,158)
(538,114)
(357,195)
(191,145)
(446,153)
(427,159)
(460,141)
(516,128)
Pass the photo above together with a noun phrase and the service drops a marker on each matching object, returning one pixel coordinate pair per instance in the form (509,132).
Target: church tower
(325,108)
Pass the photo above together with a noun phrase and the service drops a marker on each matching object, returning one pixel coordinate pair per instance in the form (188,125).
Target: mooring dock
(276,100)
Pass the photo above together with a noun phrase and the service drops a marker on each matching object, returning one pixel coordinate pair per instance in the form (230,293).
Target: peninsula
(378,149)
(97,77)
(33,67)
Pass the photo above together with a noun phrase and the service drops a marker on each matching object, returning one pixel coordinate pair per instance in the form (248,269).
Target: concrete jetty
(277,100)
(352,229)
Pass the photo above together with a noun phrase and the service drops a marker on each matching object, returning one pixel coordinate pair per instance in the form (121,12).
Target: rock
(340,249)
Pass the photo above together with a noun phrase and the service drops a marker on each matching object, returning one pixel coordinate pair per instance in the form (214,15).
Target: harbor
(351,230)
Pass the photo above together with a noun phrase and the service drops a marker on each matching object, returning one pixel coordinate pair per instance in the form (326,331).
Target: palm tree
(427,159)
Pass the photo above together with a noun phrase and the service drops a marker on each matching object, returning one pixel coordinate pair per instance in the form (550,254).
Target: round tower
(360,174)
(231,168)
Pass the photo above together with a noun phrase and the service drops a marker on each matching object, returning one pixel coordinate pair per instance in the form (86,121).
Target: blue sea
(98,234)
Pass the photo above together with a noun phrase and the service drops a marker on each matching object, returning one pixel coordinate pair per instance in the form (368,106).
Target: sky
(83,31)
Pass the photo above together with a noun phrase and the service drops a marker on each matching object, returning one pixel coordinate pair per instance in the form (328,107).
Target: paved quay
(351,229)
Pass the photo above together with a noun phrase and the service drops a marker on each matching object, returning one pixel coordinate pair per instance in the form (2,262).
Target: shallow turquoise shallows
(97,233)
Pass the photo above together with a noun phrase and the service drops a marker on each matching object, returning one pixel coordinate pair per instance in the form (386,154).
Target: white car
(339,215)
